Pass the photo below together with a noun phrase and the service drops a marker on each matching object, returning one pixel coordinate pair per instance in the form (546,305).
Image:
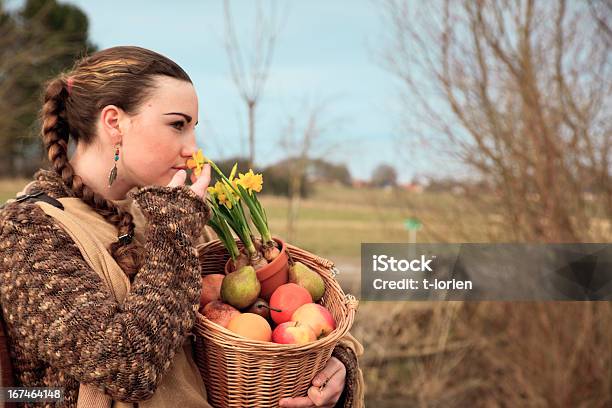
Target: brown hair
(120,76)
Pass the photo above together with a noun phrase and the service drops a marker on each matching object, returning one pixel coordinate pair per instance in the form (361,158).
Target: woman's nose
(191,147)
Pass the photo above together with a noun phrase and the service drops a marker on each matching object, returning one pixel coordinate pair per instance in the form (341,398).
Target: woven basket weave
(239,372)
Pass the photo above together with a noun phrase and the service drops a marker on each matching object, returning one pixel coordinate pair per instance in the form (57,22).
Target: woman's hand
(326,389)
(199,185)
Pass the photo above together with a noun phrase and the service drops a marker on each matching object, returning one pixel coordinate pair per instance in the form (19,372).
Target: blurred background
(386,121)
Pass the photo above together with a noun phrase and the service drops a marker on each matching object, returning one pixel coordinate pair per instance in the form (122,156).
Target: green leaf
(221,228)
(262,211)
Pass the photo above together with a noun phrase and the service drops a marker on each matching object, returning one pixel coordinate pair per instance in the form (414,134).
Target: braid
(55,134)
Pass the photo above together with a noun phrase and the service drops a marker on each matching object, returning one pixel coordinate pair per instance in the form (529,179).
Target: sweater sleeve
(56,306)
(348,351)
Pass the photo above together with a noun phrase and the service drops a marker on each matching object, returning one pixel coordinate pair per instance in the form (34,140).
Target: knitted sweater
(65,327)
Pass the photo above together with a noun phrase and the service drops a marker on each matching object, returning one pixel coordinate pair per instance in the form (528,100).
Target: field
(466,354)
(9,187)
(335,220)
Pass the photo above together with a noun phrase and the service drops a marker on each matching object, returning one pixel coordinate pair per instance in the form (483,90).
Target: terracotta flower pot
(272,275)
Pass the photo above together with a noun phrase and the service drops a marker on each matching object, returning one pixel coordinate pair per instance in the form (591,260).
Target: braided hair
(120,76)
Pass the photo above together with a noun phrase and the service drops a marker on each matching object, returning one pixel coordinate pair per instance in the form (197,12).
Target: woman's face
(158,140)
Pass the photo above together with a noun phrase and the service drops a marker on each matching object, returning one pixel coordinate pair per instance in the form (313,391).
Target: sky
(327,53)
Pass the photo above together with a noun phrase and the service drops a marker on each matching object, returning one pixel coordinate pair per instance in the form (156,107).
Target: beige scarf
(182,385)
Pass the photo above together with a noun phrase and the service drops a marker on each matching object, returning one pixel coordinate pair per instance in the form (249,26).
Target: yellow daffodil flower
(250,181)
(197,162)
(220,191)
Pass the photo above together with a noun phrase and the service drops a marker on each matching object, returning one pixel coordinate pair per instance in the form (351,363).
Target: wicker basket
(239,372)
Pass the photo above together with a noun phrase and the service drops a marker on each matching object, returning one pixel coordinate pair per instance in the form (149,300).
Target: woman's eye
(178,125)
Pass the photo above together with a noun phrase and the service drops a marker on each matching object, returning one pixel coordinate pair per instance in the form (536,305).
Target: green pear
(241,288)
(307,278)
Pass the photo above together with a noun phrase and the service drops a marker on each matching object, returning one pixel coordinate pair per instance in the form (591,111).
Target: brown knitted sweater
(64,326)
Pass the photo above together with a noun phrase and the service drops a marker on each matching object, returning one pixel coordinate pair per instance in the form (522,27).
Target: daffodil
(221,193)
(196,162)
(227,196)
(250,181)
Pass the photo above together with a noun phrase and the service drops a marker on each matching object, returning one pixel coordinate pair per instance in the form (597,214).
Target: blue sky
(326,51)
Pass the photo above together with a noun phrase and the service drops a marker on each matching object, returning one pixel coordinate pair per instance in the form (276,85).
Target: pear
(241,288)
(307,278)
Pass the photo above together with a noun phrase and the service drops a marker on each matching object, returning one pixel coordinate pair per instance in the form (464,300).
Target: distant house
(356,183)
(412,187)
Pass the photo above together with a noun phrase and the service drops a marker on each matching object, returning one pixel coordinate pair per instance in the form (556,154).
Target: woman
(131,114)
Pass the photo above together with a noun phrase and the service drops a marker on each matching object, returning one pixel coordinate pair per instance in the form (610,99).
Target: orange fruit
(252,326)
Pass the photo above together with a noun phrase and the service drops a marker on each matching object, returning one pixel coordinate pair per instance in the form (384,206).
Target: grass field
(336,220)
(9,187)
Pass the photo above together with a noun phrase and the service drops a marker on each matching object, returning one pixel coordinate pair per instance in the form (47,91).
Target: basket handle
(351,301)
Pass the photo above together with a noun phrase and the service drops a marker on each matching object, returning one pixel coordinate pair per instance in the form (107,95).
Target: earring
(113,173)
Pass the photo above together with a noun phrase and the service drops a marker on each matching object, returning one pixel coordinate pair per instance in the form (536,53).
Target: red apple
(211,288)
(287,298)
(293,333)
(219,312)
(317,317)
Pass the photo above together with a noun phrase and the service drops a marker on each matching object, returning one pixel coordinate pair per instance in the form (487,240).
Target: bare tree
(520,93)
(302,141)
(250,72)
(602,14)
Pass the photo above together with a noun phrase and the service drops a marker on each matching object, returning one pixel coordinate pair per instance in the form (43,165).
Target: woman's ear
(110,117)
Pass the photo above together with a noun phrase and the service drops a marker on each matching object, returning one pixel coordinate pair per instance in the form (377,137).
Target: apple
(211,288)
(219,312)
(293,333)
(317,317)
(287,298)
